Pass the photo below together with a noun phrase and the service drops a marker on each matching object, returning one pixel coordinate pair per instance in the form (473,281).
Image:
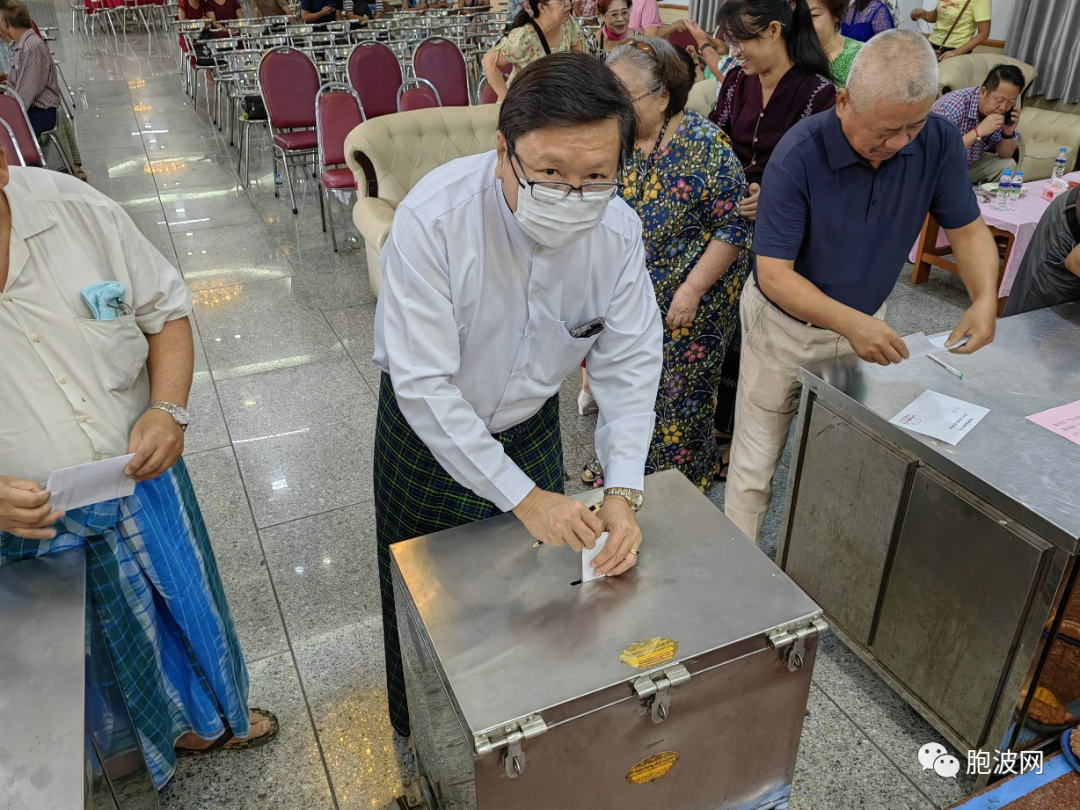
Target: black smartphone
(588,329)
(1009,116)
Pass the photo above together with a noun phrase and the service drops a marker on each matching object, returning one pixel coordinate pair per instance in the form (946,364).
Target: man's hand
(684,307)
(875,341)
(979,323)
(989,125)
(559,520)
(748,207)
(624,536)
(25,509)
(157,442)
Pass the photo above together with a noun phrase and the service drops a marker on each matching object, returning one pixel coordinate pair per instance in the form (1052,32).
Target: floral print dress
(688,196)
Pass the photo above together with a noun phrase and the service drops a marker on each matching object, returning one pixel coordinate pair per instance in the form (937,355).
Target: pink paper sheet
(1063,420)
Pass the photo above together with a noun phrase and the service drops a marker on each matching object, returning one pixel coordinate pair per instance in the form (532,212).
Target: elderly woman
(541,28)
(615,31)
(840,49)
(685,183)
(108,378)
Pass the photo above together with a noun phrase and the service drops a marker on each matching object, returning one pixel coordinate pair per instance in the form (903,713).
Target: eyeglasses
(736,44)
(619,15)
(644,47)
(560,191)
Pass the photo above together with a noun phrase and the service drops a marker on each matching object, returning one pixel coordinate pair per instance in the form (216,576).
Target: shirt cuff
(624,474)
(509,489)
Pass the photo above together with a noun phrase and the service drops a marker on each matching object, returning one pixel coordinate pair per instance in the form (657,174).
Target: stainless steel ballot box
(679,686)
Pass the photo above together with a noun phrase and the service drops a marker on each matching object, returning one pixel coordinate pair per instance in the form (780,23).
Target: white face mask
(556,222)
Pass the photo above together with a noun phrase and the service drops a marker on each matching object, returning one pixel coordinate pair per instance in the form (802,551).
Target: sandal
(722,467)
(228,742)
(592,472)
(1066,750)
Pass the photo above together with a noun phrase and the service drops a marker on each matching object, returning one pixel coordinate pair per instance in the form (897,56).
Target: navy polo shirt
(312,6)
(848,226)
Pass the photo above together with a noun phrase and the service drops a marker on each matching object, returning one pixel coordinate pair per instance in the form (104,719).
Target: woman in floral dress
(685,183)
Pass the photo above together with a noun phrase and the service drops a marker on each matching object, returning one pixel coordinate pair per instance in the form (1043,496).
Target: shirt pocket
(560,353)
(119,348)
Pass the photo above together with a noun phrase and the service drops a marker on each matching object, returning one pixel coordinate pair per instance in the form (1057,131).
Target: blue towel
(106,300)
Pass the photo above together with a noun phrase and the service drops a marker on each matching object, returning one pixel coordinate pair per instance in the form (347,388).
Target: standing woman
(783,76)
(541,28)
(685,183)
(840,49)
(960,26)
(865,18)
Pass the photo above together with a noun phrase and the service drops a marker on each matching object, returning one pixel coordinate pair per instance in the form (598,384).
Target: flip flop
(223,742)
(1066,750)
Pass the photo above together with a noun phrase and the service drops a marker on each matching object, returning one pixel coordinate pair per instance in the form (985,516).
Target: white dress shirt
(71,388)
(473,327)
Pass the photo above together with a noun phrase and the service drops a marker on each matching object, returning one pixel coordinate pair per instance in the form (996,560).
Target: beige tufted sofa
(1046,127)
(388,156)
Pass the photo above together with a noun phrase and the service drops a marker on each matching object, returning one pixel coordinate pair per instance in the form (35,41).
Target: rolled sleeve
(624,365)
(423,355)
(783,210)
(953,204)
(158,293)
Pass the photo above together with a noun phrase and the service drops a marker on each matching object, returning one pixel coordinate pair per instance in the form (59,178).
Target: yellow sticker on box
(652,652)
(651,769)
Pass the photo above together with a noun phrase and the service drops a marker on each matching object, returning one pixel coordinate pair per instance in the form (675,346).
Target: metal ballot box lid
(513,636)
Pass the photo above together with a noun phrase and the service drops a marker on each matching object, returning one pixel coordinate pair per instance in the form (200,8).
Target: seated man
(357,10)
(987,118)
(844,197)
(110,377)
(1050,272)
(320,11)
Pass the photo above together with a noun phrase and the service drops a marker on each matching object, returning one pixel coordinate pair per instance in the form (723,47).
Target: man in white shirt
(503,271)
(98,360)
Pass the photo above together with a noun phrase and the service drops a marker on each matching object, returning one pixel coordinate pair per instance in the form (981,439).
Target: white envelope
(940,417)
(919,345)
(588,574)
(90,483)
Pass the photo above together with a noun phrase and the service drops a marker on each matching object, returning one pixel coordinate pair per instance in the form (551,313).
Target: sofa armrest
(1044,133)
(373,218)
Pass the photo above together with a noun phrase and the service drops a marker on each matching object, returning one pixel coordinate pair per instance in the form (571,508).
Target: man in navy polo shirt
(320,11)
(843,200)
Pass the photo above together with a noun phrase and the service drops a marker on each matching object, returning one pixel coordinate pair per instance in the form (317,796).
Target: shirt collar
(839,150)
(28,216)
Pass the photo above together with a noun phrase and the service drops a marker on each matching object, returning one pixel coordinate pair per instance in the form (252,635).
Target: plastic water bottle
(1003,190)
(277,181)
(1013,201)
(86,104)
(1059,162)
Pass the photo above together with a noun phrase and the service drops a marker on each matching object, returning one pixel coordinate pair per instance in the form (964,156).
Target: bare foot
(1074,739)
(259,726)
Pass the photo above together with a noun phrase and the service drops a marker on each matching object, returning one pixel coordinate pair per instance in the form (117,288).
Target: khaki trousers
(989,168)
(774,346)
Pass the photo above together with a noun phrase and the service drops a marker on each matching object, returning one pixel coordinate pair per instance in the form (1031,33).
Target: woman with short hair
(685,183)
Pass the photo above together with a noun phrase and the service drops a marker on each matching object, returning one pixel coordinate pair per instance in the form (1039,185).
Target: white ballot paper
(919,345)
(90,483)
(940,417)
(588,555)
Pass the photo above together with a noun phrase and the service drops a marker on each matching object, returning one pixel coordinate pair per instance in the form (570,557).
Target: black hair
(860,5)
(743,20)
(523,16)
(564,90)
(1003,73)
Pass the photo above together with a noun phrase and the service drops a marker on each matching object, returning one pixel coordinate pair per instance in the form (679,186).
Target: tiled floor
(280,451)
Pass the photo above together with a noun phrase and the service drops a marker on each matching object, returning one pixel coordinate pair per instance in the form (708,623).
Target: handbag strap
(956,22)
(544,42)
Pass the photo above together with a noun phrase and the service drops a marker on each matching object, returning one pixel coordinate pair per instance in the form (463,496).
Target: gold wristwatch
(634,496)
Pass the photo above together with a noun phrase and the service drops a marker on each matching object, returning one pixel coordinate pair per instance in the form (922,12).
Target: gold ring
(634,551)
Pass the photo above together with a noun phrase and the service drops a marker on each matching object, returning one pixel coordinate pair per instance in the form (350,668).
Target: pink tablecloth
(1021,222)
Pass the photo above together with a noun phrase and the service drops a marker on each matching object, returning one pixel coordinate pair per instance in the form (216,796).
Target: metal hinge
(511,737)
(657,689)
(790,642)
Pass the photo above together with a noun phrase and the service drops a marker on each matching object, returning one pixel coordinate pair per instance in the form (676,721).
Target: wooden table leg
(1006,254)
(927,242)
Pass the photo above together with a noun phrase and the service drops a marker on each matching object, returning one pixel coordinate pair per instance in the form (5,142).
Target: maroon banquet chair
(440,61)
(375,75)
(11,146)
(421,97)
(682,40)
(337,113)
(289,83)
(13,113)
(487,94)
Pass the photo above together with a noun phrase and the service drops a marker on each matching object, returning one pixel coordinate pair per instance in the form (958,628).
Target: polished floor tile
(355,328)
(231,255)
(261,326)
(302,455)
(333,279)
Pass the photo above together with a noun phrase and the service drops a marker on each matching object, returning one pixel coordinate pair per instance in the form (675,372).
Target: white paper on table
(940,417)
(90,483)
(919,345)
(588,574)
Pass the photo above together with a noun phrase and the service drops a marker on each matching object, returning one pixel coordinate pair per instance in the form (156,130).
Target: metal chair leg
(330,218)
(292,194)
